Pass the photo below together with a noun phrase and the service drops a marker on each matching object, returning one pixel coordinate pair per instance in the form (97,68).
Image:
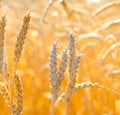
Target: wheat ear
(73,65)
(107,25)
(90,84)
(21,38)
(105,7)
(19,94)
(2,38)
(56,75)
(107,52)
(53,75)
(62,68)
(114,72)
(5,93)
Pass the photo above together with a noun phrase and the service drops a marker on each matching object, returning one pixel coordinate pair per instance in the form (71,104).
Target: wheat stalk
(47,9)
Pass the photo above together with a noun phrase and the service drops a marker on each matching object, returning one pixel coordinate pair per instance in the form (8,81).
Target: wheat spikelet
(105,7)
(2,31)
(19,95)
(6,70)
(21,38)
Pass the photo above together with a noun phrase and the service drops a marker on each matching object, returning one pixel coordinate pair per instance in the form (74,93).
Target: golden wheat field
(60,57)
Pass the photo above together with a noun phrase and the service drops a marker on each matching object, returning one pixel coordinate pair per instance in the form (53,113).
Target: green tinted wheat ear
(56,75)
(74,59)
(2,31)
(21,38)
(53,75)
(53,69)
(73,65)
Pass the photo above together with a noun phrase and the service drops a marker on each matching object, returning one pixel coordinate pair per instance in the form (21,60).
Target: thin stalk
(67,108)
(53,104)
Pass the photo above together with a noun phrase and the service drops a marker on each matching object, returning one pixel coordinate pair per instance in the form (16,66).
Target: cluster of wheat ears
(11,89)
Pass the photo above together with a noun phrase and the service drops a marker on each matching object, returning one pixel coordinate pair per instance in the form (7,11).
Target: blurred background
(96,24)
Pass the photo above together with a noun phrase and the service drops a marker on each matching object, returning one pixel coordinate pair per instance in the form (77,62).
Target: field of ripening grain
(60,57)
